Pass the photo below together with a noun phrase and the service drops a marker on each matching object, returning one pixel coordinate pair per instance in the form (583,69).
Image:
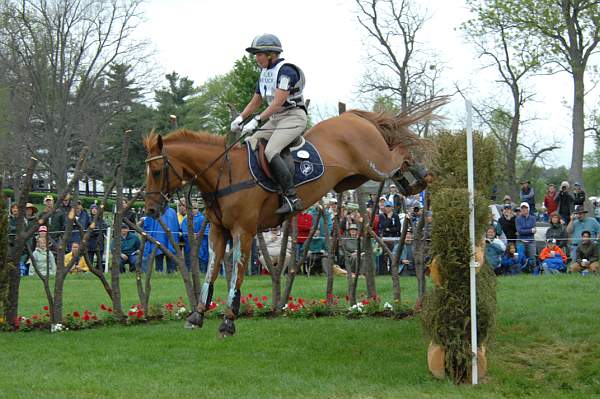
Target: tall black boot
(283,177)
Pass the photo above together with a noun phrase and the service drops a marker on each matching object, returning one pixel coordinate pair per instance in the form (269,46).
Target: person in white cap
(395,198)
(526,232)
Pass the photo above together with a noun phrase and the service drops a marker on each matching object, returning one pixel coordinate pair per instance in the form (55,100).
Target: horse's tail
(395,129)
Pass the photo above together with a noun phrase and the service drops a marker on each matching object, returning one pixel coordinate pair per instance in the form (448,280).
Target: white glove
(236,125)
(251,126)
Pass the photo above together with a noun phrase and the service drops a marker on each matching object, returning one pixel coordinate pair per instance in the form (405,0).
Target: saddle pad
(306,169)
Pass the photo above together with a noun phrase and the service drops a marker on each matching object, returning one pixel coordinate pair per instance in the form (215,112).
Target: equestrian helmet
(265,43)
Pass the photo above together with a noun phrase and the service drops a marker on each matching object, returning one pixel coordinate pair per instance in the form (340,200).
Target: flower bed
(251,306)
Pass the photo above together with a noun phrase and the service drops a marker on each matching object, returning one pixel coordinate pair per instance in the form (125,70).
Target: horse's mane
(185,136)
(395,128)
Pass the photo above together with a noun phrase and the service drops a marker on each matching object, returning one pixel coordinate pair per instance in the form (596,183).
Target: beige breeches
(281,129)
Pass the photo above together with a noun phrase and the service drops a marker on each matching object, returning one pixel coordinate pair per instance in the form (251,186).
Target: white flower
(56,328)
(285,307)
(181,310)
(133,309)
(387,306)
(357,308)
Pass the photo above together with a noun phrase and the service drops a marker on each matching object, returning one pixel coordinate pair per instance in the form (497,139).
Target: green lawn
(547,345)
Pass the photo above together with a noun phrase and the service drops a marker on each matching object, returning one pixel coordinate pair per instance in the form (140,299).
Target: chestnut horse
(355,147)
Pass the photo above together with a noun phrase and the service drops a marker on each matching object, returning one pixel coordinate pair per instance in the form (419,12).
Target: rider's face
(262,59)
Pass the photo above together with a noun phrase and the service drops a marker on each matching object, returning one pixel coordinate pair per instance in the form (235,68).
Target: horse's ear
(159,142)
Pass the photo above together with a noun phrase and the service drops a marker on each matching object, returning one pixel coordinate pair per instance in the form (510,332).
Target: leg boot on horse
(284,178)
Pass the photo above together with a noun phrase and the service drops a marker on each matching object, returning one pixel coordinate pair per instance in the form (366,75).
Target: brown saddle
(285,154)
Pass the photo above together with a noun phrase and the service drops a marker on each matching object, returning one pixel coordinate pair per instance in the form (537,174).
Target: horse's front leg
(242,246)
(217,240)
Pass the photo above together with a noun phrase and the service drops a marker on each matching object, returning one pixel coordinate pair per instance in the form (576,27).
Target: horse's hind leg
(242,246)
(217,240)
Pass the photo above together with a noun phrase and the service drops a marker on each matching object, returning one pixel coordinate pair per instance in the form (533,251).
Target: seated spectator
(558,232)
(579,223)
(553,258)
(43,258)
(494,249)
(586,255)
(526,232)
(130,249)
(350,249)
(79,263)
(513,262)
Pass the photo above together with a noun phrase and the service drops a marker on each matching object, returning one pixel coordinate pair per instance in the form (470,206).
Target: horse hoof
(196,319)
(227,328)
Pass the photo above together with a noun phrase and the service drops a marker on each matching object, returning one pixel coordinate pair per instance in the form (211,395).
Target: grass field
(547,345)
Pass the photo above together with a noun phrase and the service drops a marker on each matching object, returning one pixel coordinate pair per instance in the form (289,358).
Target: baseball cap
(388,203)
(383,197)
(524,204)
(551,241)
(579,209)
(93,206)
(48,197)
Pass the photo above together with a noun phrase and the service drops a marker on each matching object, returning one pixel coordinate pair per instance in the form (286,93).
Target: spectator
(316,252)
(79,263)
(396,198)
(325,222)
(96,240)
(389,227)
(372,202)
(565,202)
(43,258)
(494,249)
(553,258)
(596,205)
(155,230)
(203,247)
(513,262)
(181,211)
(381,204)
(527,194)
(350,249)
(130,249)
(130,214)
(407,258)
(586,256)
(497,227)
(508,223)
(81,220)
(558,232)
(579,223)
(507,200)
(304,222)
(551,199)
(526,232)
(30,213)
(578,195)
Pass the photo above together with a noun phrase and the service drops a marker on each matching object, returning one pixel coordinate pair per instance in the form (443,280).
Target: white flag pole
(473,264)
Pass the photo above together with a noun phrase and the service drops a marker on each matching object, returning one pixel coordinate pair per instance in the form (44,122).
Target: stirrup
(290,205)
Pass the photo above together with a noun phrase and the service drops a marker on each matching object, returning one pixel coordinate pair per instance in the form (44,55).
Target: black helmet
(265,43)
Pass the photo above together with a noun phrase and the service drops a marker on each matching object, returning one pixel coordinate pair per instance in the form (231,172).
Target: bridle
(164,193)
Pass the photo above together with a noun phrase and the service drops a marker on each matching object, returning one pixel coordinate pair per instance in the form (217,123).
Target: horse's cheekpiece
(308,166)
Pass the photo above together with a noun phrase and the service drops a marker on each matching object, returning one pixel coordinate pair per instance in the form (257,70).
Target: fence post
(107,248)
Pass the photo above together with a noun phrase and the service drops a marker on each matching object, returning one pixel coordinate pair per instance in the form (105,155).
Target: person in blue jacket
(513,262)
(526,233)
(203,247)
(154,229)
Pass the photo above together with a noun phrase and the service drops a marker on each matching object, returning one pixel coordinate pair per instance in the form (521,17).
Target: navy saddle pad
(307,164)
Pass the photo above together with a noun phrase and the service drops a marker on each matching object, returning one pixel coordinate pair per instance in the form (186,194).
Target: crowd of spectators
(559,235)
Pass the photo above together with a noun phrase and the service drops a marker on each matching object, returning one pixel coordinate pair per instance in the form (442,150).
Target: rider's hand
(236,125)
(251,126)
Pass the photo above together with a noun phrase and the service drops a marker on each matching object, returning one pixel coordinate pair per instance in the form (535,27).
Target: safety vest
(268,84)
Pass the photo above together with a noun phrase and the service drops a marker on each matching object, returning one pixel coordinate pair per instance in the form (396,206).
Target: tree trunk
(578,125)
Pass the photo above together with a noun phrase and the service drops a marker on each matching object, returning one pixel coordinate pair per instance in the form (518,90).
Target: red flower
(300,301)
(364,302)
(243,301)
(212,306)
(109,310)
(140,314)
(76,314)
(35,317)
(46,307)
(102,306)
(256,299)
(249,295)
(290,298)
(86,312)
(329,296)
(169,307)
(86,317)
(28,322)
(94,317)
(259,305)
(264,298)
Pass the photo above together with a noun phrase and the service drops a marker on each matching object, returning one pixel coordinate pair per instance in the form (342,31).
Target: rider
(281,85)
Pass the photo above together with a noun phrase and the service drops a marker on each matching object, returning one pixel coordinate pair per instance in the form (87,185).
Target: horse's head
(162,177)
